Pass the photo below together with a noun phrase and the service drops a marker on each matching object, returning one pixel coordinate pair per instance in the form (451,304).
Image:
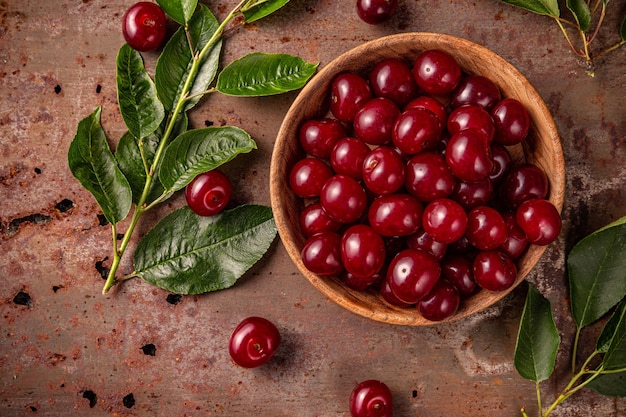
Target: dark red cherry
(392,78)
(457,269)
(524,181)
(412,273)
(308,176)
(383,170)
(441,303)
(494,270)
(416,130)
(374,122)
(321,254)
(436,72)
(319,136)
(343,199)
(371,398)
(478,90)
(431,104)
(486,228)
(540,221)
(511,121)
(516,241)
(428,177)
(348,93)
(469,156)
(313,219)
(362,251)
(501,162)
(471,116)
(144,26)
(425,242)
(347,157)
(395,215)
(253,342)
(208,193)
(445,220)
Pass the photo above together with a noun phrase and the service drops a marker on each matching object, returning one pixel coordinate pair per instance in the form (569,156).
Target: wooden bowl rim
(332,288)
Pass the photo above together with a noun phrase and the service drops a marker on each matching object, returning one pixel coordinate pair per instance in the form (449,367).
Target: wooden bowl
(542,147)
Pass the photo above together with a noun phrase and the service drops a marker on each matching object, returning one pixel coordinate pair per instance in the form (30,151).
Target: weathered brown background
(66,349)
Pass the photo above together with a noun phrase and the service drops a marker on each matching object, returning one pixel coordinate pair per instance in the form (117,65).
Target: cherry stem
(141,206)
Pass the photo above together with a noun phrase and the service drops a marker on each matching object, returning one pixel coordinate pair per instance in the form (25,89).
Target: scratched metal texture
(65,349)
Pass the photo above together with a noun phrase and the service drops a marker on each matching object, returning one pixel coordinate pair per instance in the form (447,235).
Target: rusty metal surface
(65,349)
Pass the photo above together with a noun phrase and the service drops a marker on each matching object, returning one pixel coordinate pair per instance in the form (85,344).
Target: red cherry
(208,193)
(144,26)
(253,342)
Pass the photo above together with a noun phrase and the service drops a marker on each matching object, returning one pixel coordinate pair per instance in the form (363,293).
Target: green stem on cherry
(141,206)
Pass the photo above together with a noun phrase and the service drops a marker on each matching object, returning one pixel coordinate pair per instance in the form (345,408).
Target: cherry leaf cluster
(597,281)
(161,154)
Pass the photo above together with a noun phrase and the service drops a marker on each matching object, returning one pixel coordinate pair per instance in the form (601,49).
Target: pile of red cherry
(410,187)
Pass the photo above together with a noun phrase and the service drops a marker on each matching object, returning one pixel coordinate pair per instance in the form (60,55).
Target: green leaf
(129,158)
(260,74)
(543,7)
(179,10)
(537,340)
(93,164)
(597,273)
(141,109)
(175,62)
(611,328)
(581,12)
(260,9)
(201,150)
(615,356)
(190,254)
(611,385)
(622,30)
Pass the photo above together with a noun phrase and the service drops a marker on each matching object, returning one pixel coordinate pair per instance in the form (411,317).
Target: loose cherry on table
(376,12)
(253,342)
(208,193)
(144,26)
(371,398)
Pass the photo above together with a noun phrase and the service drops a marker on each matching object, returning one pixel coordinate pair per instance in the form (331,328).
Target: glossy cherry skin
(516,241)
(376,12)
(390,297)
(343,198)
(307,177)
(523,182)
(319,136)
(412,273)
(425,242)
(458,270)
(502,162)
(313,219)
(469,156)
(347,157)
(383,171)
(445,220)
(321,254)
(371,398)
(478,90)
(441,303)
(540,221)
(208,193)
(144,26)
(436,72)
(473,194)
(486,229)
(360,284)
(253,342)
(428,177)
(431,104)
(348,93)
(416,130)
(392,78)
(395,215)
(362,251)
(374,122)
(494,270)
(511,121)
(471,116)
